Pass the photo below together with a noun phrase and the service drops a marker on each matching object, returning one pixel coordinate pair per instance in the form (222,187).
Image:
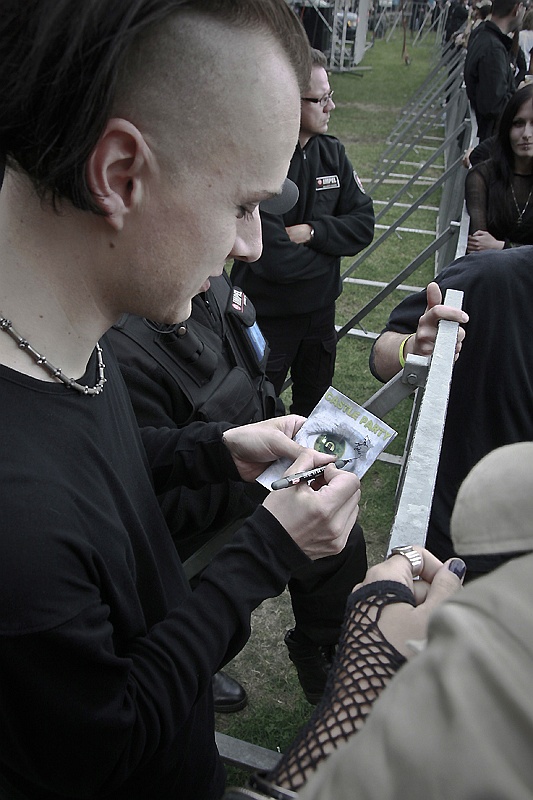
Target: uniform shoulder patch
(357,179)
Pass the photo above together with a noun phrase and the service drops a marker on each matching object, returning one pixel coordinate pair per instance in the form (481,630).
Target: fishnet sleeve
(364,664)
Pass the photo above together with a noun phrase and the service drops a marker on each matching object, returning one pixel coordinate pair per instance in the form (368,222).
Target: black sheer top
(508,216)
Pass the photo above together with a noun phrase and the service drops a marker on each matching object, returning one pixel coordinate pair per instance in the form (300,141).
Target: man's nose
(248,244)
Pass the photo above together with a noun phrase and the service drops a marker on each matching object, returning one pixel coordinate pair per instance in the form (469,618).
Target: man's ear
(117,169)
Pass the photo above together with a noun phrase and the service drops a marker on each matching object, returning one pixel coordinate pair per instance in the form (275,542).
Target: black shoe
(312,663)
(228,695)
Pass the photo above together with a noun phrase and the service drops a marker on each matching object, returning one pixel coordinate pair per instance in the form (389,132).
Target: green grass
(367,109)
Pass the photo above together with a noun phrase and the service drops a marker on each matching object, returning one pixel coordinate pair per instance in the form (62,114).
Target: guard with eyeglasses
(295,283)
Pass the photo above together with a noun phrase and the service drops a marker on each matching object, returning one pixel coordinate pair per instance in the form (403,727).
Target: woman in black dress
(499,191)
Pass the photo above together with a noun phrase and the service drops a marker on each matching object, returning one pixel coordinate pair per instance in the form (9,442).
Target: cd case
(342,428)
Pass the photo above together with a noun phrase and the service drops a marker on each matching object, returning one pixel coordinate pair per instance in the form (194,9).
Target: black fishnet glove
(364,664)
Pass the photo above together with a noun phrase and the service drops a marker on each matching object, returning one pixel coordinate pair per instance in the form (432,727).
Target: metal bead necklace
(521,213)
(42,361)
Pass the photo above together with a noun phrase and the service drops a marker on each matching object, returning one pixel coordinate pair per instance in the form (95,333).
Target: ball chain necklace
(42,361)
(521,213)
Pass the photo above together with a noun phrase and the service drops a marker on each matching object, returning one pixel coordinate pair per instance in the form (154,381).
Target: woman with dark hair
(499,192)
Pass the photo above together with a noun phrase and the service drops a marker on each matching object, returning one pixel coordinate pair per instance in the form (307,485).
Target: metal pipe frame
(418,482)
(451,231)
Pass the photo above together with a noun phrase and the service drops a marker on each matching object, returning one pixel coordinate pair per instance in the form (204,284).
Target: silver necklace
(521,213)
(5,325)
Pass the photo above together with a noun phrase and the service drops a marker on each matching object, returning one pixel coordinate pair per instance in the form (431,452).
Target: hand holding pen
(308,475)
(319,522)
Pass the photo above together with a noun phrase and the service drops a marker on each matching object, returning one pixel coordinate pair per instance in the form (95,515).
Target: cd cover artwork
(341,428)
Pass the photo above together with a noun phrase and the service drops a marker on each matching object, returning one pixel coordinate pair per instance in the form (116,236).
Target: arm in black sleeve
(351,228)
(192,456)
(482,151)
(493,90)
(476,198)
(91,704)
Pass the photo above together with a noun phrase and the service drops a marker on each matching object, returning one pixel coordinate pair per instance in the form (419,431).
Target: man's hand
(483,240)
(318,517)
(422,343)
(253,447)
(299,234)
(400,622)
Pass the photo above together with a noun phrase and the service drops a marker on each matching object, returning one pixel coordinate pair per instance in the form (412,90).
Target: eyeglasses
(323,101)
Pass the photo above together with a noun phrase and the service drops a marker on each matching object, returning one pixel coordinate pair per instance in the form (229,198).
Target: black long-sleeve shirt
(489,75)
(106,655)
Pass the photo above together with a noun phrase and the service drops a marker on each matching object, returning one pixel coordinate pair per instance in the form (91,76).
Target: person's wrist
(401,352)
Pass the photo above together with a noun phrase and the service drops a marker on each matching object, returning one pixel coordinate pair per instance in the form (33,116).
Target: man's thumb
(434,295)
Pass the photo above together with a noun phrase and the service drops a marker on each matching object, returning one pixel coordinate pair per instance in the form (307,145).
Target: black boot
(228,695)
(312,663)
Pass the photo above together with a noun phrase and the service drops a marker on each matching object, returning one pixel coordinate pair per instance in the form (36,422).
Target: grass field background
(368,105)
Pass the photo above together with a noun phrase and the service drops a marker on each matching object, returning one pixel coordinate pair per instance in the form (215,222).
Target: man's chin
(180,314)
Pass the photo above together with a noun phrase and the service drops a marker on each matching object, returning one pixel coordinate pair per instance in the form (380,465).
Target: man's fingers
(434,295)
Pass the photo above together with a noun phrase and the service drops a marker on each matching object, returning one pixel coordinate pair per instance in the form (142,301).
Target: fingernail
(458,567)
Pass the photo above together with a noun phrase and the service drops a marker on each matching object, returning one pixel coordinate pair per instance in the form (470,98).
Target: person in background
(525,37)
(489,69)
(295,283)
(491,394)
(136,156)
(458,13)
(212,368)
(498,191)
(478,13)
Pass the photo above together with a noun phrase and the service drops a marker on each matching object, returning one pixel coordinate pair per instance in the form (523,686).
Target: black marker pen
(298,477)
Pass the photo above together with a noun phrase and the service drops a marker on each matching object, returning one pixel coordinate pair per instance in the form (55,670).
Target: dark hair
(502,8)
(59,62)
(318,59)
(527,22)
(484,10)
(503,160)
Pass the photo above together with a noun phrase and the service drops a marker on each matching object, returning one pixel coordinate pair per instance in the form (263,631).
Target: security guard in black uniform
(212,368)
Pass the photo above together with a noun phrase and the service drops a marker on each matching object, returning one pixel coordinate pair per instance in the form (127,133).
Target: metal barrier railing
(430,378)
(443,95)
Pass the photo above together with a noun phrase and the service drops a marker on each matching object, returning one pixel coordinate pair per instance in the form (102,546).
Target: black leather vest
(217,357)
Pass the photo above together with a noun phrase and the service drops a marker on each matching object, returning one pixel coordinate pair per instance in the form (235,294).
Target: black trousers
(319,591)
(305,344)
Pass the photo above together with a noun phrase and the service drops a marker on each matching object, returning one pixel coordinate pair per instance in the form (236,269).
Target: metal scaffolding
(338,28)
